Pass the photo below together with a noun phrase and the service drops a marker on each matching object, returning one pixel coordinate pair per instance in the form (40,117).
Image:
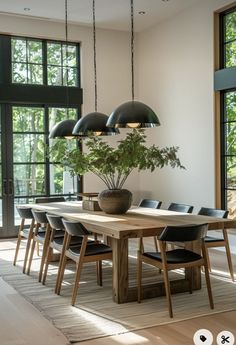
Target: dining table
(136,223)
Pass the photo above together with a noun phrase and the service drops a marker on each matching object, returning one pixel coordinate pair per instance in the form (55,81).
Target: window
(58,67)
(61,64)
(27,61)
(39,86)
(227,96)
(229,39)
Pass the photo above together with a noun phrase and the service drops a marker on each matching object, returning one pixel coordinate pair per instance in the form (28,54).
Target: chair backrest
(49,199)
(180,207)
(184,233)
(40,216)
(75,228)
(213,212)
(25,212)
(150,203)
(55,222)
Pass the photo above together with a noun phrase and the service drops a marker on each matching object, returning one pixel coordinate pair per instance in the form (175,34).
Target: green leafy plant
(114,165)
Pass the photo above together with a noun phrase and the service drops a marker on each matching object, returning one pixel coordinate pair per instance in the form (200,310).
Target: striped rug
(95,314)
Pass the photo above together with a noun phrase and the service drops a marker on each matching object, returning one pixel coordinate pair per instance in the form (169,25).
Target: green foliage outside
(230,100)
(29,153)
(230,39)
(114,165)
(27,62)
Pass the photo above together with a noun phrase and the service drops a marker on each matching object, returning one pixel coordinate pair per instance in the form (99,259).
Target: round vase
(115,201)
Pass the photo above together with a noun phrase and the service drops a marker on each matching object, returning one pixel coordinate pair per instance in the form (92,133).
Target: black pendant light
(94,122)
(133,114)
(63,129)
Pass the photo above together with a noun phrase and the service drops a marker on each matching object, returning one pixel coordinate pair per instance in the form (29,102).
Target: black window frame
(47,96)
(224,82)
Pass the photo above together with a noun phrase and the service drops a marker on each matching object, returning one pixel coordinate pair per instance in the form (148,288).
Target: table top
(137,222)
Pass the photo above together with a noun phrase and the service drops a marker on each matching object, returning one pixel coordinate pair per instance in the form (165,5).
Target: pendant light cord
(94,58)
(132,45)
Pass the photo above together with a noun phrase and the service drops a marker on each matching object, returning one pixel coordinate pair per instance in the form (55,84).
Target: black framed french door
(26,170)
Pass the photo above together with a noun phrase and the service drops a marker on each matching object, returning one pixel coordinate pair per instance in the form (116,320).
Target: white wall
(175,77)
(113,68)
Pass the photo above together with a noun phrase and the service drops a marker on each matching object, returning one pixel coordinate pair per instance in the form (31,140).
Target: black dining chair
(88,251)
(214,242)
(180,207)
(57,243)
(177,258)
(176,207)
(41,236)
(151,203)
(25,232)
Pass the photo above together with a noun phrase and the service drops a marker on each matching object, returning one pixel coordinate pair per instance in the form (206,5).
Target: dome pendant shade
(62,129)
(93,123)
(133,114)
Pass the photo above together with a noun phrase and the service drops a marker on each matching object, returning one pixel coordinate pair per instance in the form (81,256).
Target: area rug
(95,314)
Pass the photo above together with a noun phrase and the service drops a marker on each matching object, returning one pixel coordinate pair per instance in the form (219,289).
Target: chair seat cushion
(92,249)
(175,256)
(213,239)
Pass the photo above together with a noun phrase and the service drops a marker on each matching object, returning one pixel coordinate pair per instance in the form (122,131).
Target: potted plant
(114,165)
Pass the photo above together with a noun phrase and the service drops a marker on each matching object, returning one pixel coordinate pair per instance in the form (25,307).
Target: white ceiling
(110,14)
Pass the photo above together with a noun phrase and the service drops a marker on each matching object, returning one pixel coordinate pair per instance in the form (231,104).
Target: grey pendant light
(94,122)
(63,129)
(133,114)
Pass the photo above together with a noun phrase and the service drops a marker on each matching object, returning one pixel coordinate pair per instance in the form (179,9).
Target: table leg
(120,269)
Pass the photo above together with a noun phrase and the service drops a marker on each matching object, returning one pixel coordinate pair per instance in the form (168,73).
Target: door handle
(5,187)
(10,187)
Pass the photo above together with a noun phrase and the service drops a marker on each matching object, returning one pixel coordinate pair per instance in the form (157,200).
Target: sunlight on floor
(131,339)
(99,322)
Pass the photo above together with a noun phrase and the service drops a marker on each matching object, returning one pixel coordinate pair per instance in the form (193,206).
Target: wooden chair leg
(168,292)
(61,276)
(38,253)
(208,259)
(77,280)
(17,248)
(31,257)
(60,263)
(139,276)
(29,239)
(208,283)
(228,254)
(46,263)
(99,272)
(155,243)
(44,252)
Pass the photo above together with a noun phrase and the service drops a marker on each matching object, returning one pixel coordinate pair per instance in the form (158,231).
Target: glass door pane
(28,132)
(26,171)
(229,152)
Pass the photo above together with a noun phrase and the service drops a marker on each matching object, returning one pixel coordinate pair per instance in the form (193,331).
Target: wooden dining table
(136,223)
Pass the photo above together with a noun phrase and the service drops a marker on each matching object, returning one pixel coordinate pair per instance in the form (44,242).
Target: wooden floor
(22,324)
